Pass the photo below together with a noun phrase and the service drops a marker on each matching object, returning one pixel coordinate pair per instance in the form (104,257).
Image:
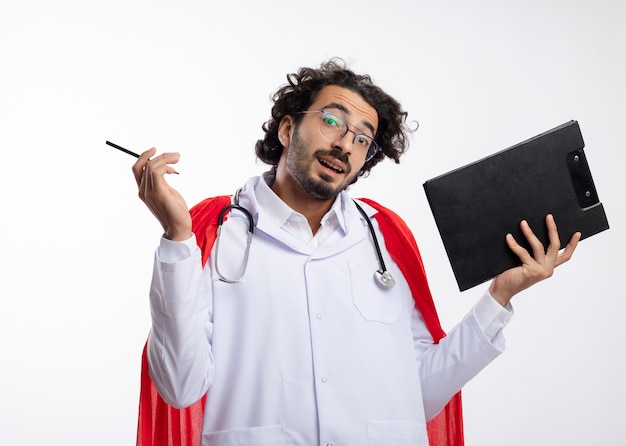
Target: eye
(333,121)
(362,141)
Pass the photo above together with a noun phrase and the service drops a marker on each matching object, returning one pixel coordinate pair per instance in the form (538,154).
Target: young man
(291,339)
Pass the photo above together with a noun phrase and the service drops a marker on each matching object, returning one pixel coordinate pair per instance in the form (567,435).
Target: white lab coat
(307,349)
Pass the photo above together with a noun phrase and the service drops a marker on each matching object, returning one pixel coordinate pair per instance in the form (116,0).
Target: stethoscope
(382,275)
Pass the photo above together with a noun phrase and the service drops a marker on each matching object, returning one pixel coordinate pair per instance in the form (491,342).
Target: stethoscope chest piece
(385,278)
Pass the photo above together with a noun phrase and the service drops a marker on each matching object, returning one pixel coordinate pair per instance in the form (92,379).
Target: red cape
(162,425)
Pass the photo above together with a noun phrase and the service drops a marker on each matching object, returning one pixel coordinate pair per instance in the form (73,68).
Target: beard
(299,165)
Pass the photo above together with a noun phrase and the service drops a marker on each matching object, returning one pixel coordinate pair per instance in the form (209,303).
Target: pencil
(123,149)
(130,152)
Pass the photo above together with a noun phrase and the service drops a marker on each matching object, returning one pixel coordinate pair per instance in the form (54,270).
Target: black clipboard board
(475,206)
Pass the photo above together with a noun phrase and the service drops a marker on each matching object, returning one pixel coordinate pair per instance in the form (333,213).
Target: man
(290,340)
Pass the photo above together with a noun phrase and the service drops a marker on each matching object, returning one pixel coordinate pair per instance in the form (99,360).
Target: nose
(345,142)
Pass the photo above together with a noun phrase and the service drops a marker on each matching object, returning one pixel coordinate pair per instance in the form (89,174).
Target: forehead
(351,105)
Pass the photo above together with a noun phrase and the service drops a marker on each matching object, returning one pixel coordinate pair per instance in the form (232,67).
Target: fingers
(534,268)
(518,249)
(553,237)
(554,248)
(149,172)
(141,162)
(569,249)
(549,257)
(537,247)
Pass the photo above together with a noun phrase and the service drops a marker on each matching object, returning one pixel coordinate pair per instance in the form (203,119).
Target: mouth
(332,164)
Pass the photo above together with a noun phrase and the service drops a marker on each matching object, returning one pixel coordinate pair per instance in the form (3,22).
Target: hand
(534,268)
(167,205)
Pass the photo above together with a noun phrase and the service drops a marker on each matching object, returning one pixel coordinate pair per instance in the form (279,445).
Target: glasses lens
(332,126)
(373,150)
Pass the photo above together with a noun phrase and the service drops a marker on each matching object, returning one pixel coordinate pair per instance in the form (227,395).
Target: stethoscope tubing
(382,275)
(220,221)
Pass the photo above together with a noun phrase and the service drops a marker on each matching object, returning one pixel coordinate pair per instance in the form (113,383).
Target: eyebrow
(343,108)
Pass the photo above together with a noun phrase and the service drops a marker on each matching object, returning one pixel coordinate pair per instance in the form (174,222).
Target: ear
(285,130)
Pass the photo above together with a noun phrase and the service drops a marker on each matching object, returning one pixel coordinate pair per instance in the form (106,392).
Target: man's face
(320,166)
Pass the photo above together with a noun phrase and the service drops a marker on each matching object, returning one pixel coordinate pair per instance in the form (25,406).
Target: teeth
(331,166)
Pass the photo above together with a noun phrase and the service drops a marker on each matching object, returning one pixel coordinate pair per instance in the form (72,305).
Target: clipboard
(475,206)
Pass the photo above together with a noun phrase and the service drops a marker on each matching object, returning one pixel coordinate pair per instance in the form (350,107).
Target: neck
(300,201)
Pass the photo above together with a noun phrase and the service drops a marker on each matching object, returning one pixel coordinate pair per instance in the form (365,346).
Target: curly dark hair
(301,91)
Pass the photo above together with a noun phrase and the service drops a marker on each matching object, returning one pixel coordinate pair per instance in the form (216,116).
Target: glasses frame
(374,147)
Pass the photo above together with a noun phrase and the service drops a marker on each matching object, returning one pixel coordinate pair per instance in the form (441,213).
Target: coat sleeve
(159,423)
(179,346)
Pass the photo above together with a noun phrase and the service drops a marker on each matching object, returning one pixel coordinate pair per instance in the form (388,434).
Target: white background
(196,77)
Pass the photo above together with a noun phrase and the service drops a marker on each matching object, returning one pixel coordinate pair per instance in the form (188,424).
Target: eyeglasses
(333,127)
